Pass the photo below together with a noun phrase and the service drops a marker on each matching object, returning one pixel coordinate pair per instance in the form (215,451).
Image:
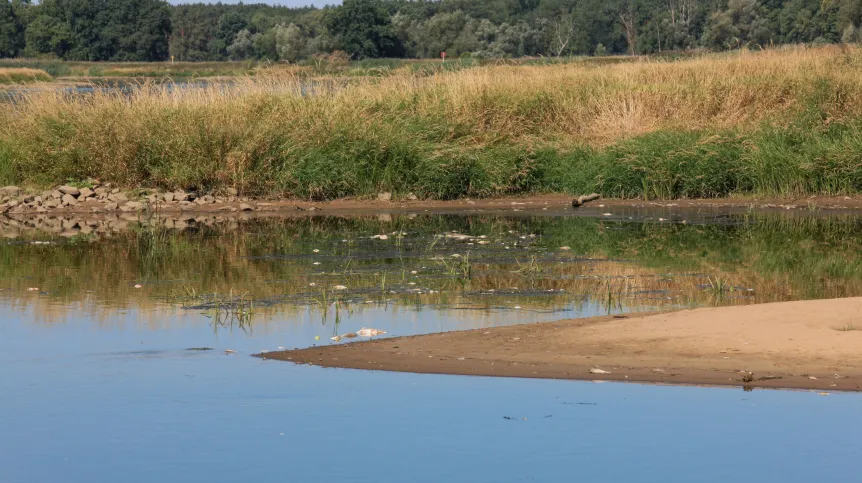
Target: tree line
(153,30)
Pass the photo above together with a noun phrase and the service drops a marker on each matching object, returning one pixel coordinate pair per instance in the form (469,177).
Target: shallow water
(98,383)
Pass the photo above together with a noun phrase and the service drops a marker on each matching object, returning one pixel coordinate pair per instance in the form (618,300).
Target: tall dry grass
(783,121)
(18,75)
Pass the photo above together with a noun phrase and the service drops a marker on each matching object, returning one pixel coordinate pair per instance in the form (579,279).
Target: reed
(783,122)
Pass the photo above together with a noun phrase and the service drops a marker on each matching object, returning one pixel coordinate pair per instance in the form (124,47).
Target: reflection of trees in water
(613,265)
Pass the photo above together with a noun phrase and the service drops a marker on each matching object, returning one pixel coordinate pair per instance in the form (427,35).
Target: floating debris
(335,338)
(137,285)
(579,201)
(596,370)
(33,289)
(565,249)
(339,287)
(229,351)
(369,332)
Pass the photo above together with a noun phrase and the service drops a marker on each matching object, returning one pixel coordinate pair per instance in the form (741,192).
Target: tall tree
(364,29)
(12,39)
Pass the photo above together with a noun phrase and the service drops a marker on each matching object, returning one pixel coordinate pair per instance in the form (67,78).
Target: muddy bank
(805,345)
(96,198)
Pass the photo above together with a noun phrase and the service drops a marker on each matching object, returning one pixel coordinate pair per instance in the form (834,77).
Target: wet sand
(802,345)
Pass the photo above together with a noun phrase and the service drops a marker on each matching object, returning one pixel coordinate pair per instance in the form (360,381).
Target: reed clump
(778,122)
(21,75)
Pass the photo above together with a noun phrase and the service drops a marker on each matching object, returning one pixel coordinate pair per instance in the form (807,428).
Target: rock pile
(94,197)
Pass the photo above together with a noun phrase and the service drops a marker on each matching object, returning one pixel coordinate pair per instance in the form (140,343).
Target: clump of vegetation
(775,122)
(22,75)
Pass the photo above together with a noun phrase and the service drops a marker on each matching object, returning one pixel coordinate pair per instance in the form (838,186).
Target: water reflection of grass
(612,264)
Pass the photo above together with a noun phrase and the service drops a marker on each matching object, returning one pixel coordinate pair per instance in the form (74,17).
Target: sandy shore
(806,345)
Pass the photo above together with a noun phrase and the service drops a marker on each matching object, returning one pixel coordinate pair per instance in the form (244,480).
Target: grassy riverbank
(785,122)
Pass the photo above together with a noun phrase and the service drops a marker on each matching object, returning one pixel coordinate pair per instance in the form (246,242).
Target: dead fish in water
(349,335)
(229,351)
(596,370)
(369,332)
(335,338)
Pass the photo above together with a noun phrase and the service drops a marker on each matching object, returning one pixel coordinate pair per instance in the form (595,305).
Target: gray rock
(181,196)
(412,197)
(384,196)
(154,198)
(169,197)
(69,190)
(118,197)
(201,201)
(12,203)
(232,192)
(132,206)
(101,191)
(86,193)
(52,203)
(245,207)
(69,200)
(111,206)
(10,191)
(56,195)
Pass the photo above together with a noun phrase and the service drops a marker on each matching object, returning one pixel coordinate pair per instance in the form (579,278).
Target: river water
(102,322)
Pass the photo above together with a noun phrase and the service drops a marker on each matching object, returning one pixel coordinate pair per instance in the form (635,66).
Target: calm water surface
(98,383)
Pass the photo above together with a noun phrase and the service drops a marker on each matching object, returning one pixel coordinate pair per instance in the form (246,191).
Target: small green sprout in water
(848,327)
(460,269)
(530,268)
(719,287)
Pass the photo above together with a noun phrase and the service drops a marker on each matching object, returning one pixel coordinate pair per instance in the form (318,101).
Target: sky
(288,3)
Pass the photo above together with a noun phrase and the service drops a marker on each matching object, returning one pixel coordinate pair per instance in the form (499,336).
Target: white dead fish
(339,287)
(596,370)
(229,351)
(33,289)
(380,237)
(138,285)
(363,332)
(335,338)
